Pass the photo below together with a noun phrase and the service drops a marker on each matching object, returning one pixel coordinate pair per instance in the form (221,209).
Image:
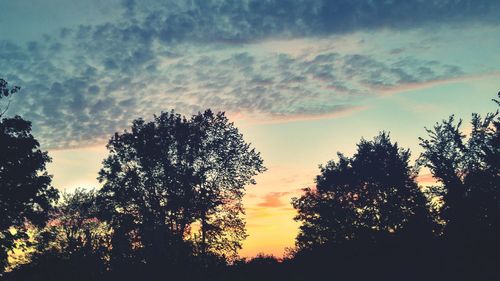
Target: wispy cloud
(426,178)
(274,200)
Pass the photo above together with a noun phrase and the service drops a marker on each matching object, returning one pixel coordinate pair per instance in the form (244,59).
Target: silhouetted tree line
(171,207)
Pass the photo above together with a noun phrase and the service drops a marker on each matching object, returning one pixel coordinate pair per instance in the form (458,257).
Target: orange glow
(269,213)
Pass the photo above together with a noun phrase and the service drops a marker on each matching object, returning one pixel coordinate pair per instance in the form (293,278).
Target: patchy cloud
(85,82)
(244,21)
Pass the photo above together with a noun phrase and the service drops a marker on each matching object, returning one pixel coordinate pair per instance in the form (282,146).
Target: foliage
(468,170)
(166,176)
(373,193)
(26,193)
(74,228)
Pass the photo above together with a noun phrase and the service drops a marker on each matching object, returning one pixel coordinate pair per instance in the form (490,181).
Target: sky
(301,79)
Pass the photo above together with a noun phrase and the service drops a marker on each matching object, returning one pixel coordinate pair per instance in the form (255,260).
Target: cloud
(274,200)
(426,178)
(244,21)
(433,82)
(83,83)
(80,99)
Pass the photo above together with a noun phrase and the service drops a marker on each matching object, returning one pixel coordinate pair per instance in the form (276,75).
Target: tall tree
(223,164)
(147,196)
(26,193)
(468,167)
(165,175)
(372,194)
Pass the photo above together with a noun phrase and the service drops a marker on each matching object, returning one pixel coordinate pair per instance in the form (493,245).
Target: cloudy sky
(302,79)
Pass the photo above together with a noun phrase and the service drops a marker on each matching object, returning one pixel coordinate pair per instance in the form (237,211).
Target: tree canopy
(177,181)
(373,193)
(26,193)
(468,169)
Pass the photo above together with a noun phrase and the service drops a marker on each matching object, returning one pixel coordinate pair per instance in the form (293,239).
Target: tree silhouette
(171,175)
(73,245)
(147,196)
(372,194)
(223,165)
(468,169)
(26,193)
(365,219)
(73,228)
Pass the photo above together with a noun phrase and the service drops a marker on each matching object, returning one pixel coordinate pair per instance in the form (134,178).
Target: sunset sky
(301,79)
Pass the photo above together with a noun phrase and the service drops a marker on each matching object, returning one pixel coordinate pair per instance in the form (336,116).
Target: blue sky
(302,79)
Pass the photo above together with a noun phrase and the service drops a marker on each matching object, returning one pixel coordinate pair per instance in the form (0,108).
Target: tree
(168,176)
(26,193)
(73,244)
(146,197)
(5,93)
(370,195)
(223,164)
(468,169)
(74,227)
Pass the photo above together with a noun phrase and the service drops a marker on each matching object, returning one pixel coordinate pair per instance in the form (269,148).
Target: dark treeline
(171,207)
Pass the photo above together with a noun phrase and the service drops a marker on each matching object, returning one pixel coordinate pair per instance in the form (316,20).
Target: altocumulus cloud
(262,60)
(247,20)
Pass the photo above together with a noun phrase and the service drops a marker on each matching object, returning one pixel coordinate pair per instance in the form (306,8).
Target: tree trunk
(203,234)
